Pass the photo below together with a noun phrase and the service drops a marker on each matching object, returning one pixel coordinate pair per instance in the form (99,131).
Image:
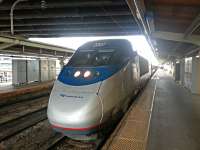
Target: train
(96,84)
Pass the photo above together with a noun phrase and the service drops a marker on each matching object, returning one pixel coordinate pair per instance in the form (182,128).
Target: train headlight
(87,74)
(97,74)
(77,74)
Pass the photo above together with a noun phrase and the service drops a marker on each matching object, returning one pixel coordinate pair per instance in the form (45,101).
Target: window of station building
(5,71)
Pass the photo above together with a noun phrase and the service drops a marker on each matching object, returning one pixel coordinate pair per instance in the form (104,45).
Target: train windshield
(91,58)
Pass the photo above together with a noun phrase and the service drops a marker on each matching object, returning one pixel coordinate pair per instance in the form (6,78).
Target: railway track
(39,136)
(10,99)
(24,125)
(70,144)
(19,116)
(16,110)
(16,125)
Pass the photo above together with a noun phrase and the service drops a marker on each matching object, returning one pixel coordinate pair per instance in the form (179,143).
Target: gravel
(33,138)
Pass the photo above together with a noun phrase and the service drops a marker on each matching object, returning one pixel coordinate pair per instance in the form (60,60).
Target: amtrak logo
(70,96)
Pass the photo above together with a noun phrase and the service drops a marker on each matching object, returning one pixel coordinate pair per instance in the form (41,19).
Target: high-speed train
(97,83)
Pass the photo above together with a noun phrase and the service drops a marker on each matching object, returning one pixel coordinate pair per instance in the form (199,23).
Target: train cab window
(102,58)
(81,59)
(91,58)
(99,57)
(120,57)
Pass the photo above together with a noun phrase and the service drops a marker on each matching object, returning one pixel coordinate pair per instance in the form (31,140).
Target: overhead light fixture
(43,4)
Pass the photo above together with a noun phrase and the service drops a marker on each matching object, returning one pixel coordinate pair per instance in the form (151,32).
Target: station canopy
(170,26)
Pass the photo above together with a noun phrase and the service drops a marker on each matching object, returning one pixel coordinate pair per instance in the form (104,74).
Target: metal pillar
(11,15)
(195,75)
(182,70)
(61,63)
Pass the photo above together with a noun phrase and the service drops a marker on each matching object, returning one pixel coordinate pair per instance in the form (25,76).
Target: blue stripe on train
(66,76)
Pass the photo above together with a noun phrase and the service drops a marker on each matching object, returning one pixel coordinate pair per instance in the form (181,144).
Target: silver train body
(96,84)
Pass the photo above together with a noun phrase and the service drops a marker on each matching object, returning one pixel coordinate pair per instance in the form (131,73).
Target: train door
(127,79)
(134,73)
(128,74)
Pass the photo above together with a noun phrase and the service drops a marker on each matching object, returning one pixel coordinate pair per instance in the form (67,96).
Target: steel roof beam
(62,13)
(132,29)
(6,45)
(13,52)
(18,41)
(193,51)
(69,21)
(70,28)
(35,51)
(79,34)
(138,10)
(177,2)
(179,37)
(62,4)
(193,26)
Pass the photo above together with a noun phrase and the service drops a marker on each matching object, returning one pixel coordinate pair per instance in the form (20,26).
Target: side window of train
(116,58)
(125,56)
(120,57)
(144,67)
(134,56)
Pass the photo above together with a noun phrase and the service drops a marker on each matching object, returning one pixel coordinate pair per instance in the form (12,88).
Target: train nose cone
(74,110)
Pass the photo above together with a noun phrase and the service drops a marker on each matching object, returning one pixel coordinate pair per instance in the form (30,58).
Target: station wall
(195,75)
(44,70)
(189,73)
(33,70)
(52,69)
(19,71)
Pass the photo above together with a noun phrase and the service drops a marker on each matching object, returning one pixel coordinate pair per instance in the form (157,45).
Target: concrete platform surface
(132,131)
(175,121)
(25,89)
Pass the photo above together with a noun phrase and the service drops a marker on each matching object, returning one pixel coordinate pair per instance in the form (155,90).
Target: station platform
(165,116)
(12,93)
(175,121)
(132,131)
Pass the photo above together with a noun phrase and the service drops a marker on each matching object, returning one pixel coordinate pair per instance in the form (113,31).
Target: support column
(177,71)
(195,75)
(182,71)
(61,62)
(19,72)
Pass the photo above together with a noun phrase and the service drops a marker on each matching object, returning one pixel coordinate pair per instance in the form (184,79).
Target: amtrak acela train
(97,83)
